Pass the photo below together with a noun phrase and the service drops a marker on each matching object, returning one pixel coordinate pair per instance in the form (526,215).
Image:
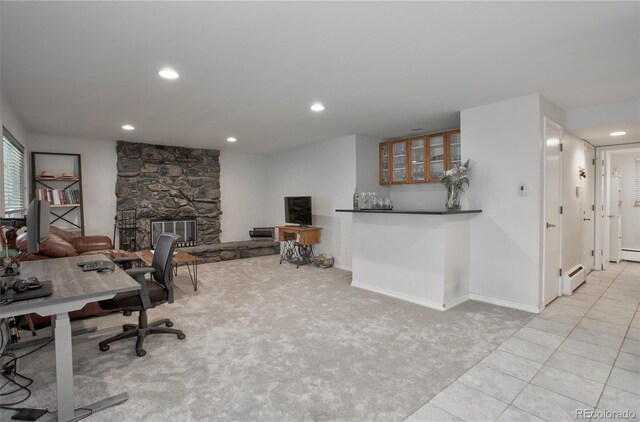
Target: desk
(180,257)
(72,289)
(298,243)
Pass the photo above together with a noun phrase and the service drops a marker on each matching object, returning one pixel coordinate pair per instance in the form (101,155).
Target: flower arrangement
(455,180)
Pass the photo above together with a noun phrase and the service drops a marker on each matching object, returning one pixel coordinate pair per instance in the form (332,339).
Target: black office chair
(153,292)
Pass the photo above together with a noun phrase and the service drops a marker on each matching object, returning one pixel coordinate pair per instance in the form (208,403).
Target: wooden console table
(298,243)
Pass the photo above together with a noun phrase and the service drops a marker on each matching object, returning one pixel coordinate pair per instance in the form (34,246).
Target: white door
(588,209)
(552,230)
(606,210)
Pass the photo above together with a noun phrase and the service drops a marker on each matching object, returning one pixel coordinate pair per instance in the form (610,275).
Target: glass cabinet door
(384,163)
(417,160)
(436,157)
(455,151)
(399,163)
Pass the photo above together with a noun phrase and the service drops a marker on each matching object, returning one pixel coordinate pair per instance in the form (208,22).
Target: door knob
(586,219)
(550,225)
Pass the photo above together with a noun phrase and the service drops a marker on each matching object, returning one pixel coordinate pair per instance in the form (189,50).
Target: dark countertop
(421,212)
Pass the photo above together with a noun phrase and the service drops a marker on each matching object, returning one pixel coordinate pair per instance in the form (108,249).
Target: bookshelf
(63,188)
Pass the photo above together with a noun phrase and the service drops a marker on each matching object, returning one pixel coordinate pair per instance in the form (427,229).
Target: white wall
(504,140)
(98,176)
(244,192)
(326,171)
(624,161)
(368,165)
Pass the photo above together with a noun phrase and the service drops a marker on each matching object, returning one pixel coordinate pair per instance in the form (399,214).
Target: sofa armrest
(91,243)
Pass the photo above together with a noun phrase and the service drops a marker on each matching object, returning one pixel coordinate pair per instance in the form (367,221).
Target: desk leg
(64,367)
(64,376)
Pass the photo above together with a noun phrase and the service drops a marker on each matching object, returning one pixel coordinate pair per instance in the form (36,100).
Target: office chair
(153,292)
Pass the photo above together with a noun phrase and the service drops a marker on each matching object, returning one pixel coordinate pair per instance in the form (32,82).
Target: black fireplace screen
(184,230)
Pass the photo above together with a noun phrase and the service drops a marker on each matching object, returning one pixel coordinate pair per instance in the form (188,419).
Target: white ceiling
(251,70)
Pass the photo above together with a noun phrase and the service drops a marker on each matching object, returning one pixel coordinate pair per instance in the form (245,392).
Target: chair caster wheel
(140,353)
(104,347)
(169,324)
(181,336)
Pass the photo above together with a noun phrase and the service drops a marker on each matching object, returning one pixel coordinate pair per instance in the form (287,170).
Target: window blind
(636,185)
(13,157)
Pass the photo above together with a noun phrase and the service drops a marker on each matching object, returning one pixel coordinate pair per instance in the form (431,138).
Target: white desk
(72,289)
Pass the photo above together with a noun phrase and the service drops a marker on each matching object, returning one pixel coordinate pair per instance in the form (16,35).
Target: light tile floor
(581,352)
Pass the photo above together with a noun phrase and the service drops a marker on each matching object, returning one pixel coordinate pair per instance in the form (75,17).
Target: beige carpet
(267,342)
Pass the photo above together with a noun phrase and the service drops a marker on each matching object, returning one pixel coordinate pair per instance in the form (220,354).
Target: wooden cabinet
(421,159)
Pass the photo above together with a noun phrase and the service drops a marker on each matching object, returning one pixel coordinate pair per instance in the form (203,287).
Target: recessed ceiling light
(168,73)
(231,139)
(317,107)
(619,133)
(128,127)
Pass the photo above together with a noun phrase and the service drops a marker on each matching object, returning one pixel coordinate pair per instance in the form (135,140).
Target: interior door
(552,230)
(606,213)
(588,209)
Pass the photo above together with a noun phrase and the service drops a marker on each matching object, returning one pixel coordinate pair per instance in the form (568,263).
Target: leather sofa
(59,245)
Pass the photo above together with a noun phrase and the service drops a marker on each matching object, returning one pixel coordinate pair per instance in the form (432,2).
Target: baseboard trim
(456,302)
(343,267)
(406,298)
(502,302)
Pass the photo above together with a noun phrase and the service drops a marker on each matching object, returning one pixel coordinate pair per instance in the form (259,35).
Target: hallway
(578,360)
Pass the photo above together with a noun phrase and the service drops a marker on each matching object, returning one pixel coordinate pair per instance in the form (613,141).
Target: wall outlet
(522,189)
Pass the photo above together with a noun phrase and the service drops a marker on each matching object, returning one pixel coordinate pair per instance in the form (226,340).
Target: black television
(297,210)
(37,224)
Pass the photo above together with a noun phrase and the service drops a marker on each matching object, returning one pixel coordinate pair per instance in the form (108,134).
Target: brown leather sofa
(59,245)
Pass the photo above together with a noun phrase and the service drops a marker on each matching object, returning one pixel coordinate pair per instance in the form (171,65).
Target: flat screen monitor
(297,210)
(37,224)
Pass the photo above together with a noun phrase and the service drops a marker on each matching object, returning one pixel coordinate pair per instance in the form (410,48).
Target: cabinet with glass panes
(422,159)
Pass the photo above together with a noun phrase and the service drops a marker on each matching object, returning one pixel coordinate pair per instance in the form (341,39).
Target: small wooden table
(180,257)
(298,243)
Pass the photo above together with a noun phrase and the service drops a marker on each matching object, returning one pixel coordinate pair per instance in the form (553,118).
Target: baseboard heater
(573,279)
(263,233)
(630,254)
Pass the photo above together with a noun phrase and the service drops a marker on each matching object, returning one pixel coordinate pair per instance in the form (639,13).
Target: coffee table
(180,257)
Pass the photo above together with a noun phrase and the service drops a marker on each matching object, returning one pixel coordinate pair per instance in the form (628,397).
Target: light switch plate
(522,189)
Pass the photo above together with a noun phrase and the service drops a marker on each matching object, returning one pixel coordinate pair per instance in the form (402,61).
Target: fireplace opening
(185,231)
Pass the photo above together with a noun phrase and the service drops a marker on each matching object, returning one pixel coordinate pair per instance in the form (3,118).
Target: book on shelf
(59,196)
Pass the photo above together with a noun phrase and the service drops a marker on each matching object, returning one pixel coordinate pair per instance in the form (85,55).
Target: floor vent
(573,279)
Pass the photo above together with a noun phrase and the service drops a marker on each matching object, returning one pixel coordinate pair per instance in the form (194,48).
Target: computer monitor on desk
(38,230)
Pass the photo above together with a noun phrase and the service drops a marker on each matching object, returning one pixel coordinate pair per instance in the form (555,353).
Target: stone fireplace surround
(169,182)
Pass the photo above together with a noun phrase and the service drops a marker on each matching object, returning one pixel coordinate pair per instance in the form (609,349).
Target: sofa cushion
(91,243)
(54,247)
(62,234)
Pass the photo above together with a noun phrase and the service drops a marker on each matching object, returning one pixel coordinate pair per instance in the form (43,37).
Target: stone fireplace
(170,189)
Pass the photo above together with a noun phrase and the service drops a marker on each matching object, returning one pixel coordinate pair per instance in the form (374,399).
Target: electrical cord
(10,366)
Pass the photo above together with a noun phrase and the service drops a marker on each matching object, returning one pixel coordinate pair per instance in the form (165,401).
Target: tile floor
(581,352)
